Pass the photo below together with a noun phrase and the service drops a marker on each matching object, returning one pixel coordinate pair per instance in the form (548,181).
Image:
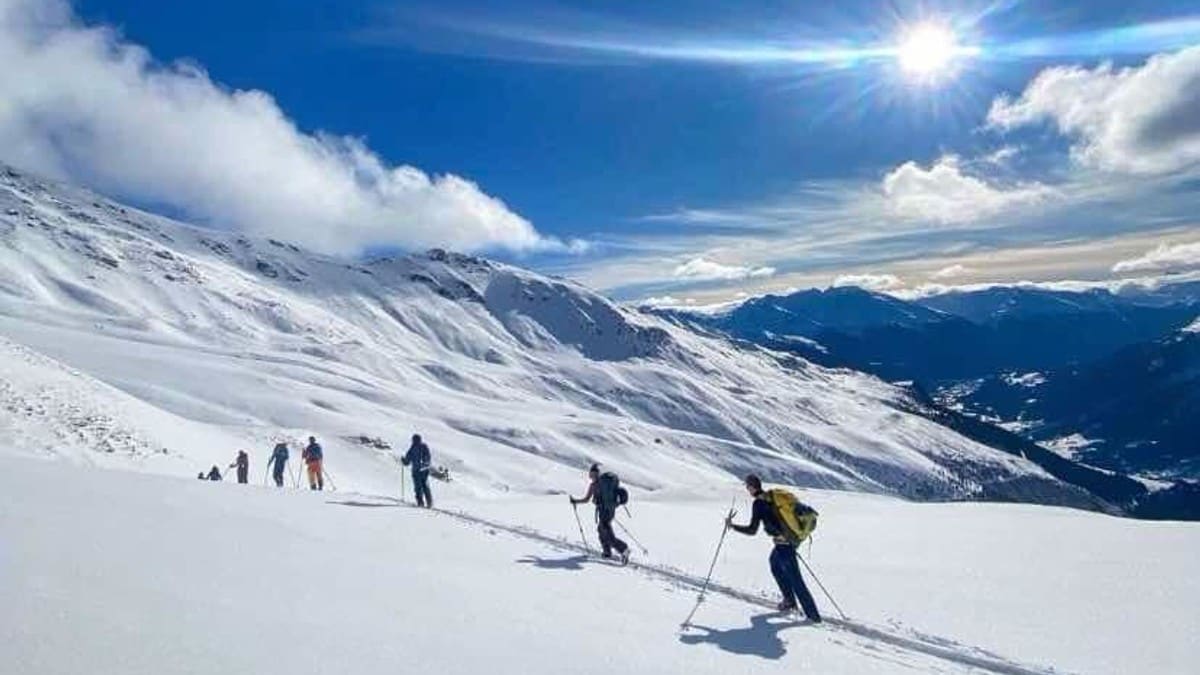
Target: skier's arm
(755,520)
(587,497)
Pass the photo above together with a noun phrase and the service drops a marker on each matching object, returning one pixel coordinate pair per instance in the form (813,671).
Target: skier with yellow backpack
(788,522)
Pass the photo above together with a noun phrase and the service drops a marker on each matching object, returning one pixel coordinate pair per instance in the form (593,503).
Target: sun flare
(927,51)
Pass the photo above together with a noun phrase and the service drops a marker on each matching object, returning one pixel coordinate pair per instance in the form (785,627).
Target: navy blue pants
(421,488)
(786,570)
(608,538)
(278,475)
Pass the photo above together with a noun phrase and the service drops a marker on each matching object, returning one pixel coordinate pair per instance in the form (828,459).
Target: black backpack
(609,493)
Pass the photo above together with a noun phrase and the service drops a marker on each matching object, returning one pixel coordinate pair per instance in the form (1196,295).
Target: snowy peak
(541,312)
(846,309)
(1008,302)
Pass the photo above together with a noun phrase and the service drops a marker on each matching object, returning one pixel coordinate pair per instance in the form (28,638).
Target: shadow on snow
(760,638)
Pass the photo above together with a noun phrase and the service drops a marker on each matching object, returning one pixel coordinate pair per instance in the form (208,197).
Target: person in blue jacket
(421,461)
(278,461)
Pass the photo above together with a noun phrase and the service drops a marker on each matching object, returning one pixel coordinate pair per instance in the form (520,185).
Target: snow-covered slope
(114,572)
(170,347)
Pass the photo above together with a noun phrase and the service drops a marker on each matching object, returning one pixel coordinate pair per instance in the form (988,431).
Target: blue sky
(690,150)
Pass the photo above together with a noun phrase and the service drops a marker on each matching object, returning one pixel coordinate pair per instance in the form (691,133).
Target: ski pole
(403,496)
(579,522)
(631,536)
(708,578)
(823,590)
(332,484)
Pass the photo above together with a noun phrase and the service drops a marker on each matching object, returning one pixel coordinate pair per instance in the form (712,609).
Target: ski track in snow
(908,641)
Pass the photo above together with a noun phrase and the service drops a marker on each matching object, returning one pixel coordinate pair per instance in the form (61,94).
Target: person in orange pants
(312,457)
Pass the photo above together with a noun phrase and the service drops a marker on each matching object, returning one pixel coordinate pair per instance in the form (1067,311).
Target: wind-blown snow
(196,343)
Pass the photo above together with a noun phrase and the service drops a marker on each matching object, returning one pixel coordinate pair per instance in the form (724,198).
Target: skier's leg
(617,542)
(320,475)
(418,482)
(800,588)
(243,476)
(425,488)
(605,534)
(278,476)
(778,570)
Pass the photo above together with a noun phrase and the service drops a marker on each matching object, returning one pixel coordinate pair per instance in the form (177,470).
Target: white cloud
(951,272)
(1163,257)
(81,103)
(945,194)
(1141,120)
(871,282)
(696,217)
(1002,156)
(1116,286)
(701,269)
(665,302)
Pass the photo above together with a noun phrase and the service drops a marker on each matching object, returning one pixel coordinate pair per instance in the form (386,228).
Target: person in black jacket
(784,567)
(421,460)
(606,512)
(243,467)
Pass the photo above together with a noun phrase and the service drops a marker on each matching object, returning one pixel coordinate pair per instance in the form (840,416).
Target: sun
(927,51)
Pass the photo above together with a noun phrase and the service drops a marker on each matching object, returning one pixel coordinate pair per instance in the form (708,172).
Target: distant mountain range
(1136,409)
(1096,374)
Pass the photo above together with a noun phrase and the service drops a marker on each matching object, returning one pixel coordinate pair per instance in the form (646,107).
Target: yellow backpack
(798,519)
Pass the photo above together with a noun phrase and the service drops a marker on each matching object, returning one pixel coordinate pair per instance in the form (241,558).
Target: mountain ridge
(524,378)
